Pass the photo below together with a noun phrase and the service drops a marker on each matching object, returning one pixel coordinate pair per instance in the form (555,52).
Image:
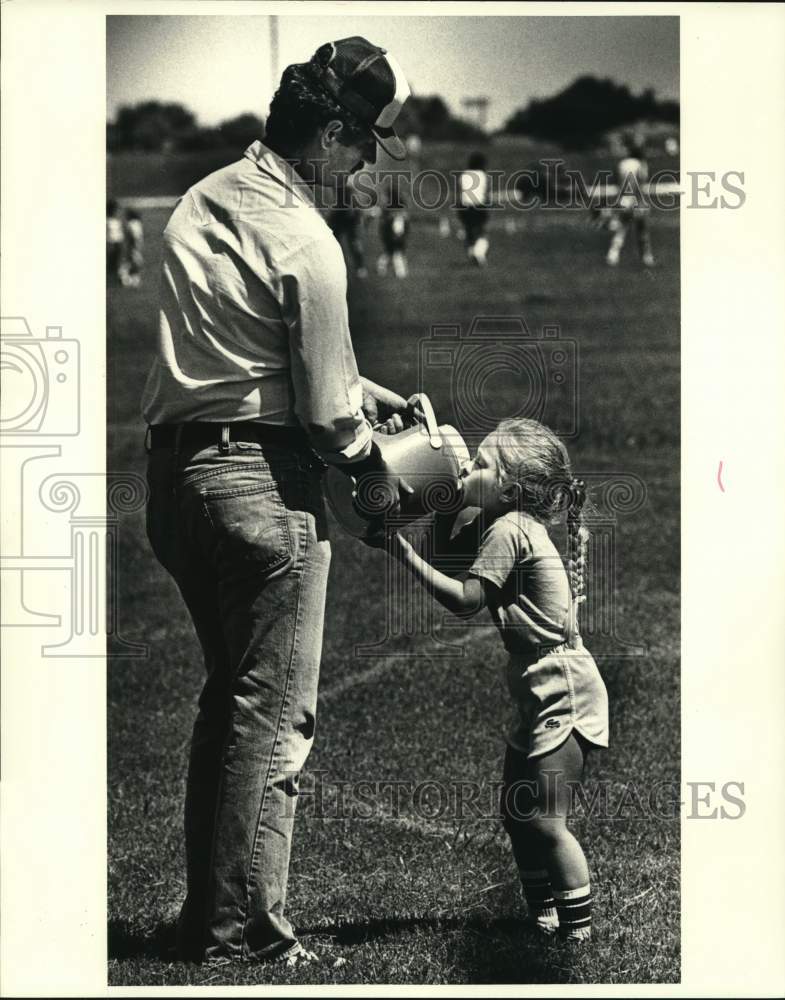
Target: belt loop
(178,436)
(223,448)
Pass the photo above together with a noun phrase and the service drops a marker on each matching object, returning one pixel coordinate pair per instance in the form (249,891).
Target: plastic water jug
(427,456)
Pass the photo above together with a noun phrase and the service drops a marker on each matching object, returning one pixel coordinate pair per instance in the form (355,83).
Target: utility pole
(476,109)
(273,53)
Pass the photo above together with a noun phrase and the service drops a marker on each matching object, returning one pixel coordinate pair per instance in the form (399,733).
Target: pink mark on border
(719,478)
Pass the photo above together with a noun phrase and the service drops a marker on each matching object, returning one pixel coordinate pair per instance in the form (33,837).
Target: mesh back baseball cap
(368,81)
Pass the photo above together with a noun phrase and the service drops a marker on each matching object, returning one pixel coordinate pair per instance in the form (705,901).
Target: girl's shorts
(561,692)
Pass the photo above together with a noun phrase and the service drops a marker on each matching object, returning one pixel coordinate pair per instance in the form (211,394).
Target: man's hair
(302,105)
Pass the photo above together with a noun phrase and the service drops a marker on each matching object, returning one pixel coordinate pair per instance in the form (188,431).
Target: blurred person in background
(473,198)
(632,175)
(393,232)
(253,389)
(134,249)
(115,242)
(414,150)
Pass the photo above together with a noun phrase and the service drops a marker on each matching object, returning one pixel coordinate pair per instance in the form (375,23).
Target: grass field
(419,894)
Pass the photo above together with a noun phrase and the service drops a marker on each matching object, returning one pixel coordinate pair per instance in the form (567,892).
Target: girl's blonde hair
(532,456)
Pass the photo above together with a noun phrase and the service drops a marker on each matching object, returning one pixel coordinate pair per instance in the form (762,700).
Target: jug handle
(430,418)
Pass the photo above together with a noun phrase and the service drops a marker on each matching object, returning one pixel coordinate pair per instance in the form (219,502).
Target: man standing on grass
(254,375)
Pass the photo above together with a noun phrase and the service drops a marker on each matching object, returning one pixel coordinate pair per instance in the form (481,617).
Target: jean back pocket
(249,527)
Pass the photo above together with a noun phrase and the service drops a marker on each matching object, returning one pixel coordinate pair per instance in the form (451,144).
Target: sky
(221,66)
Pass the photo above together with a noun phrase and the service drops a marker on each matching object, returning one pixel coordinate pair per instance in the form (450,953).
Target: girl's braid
(577,543)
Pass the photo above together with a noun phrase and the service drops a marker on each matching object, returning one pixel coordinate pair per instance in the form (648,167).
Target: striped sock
(539,899)
(574,909)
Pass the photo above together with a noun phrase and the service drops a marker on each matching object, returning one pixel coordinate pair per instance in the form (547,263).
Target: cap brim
(389,142)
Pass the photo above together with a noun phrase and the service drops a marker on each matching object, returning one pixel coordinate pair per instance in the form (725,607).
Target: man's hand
(371,409)
(399,420)
(386,411)
(392,425)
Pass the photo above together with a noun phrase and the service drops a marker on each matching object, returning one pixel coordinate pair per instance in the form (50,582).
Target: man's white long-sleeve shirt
(254,322)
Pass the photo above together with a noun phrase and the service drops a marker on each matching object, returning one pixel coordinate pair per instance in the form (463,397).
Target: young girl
(520,480)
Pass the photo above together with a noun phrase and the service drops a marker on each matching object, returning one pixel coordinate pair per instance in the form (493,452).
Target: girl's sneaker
(577,935)
(544,922)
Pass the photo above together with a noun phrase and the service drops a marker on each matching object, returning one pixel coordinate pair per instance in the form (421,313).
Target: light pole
(273,53)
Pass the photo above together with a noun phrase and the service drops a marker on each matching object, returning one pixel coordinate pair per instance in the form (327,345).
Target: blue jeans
(244,534)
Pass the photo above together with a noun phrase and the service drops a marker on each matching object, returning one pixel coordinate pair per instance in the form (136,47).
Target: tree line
(583,112)
(156,126)
(577,117)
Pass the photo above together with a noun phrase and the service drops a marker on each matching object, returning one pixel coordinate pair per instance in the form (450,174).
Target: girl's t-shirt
(532,598)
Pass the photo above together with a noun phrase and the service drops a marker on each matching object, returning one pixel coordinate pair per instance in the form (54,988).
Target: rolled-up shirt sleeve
(327,389)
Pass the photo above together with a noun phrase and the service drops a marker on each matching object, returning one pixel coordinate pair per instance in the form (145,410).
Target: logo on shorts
(552,724)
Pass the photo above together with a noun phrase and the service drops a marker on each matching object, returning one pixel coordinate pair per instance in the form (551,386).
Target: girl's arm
(462,597)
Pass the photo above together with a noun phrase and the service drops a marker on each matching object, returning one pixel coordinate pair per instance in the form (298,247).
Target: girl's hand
(389,539)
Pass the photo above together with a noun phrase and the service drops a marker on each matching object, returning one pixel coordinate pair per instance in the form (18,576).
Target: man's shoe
(296,956)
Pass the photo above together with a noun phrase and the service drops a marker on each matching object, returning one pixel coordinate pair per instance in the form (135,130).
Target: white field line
(347,683)
(383,668)
(454,829)
(469,639)
(441,830)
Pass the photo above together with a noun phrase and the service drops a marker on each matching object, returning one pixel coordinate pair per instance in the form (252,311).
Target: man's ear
(330,133)
(510,493)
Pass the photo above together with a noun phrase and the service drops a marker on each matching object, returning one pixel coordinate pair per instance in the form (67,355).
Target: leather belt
(206,433)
